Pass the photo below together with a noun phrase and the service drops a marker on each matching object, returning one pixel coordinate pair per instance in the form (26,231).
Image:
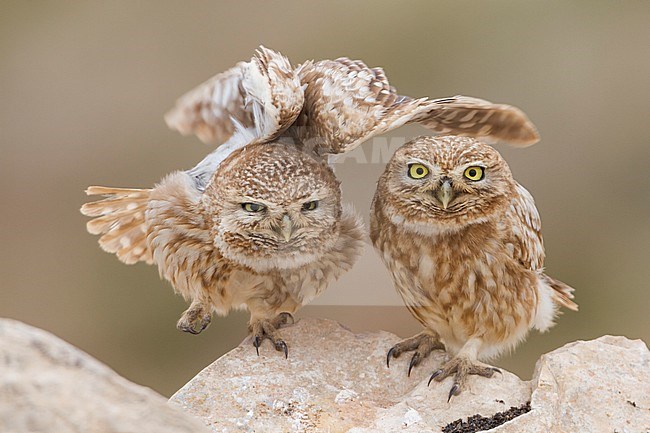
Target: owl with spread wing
(258,223)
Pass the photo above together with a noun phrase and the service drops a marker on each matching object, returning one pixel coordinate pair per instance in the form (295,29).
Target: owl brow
(305,199)
(475,163)
(315,194)
(249,199)
(423,162)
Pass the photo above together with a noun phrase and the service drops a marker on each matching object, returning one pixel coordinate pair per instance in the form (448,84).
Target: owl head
(272,206)
(438,184)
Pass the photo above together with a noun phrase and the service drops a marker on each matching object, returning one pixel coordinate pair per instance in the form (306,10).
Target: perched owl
(258,223)
(462,241)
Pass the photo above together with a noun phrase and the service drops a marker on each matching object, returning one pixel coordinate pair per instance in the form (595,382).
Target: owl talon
(422,344)
(187,328)
(195,319)
(268,329)
(256,343)
(280,345)
(390,352)
(205,323)
(415,360)
(434,375)
(461,368)
(455,390)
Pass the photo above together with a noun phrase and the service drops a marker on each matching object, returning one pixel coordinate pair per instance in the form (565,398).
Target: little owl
(258,224)
(462,241)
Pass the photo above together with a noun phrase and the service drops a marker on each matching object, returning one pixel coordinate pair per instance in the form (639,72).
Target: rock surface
(47,385)
(337,381)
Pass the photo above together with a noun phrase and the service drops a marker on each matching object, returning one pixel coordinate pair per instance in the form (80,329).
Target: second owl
(462,240)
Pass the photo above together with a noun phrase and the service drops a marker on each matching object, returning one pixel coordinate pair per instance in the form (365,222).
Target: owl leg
(196,318)
(461,366)
(263,329)
(422,344)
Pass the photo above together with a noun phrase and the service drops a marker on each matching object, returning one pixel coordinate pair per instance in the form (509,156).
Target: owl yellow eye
(474,173)
(417,171)
(253,207)
(310,205)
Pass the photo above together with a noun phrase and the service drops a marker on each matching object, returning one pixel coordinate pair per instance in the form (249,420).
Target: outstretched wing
(347,103)
(161,226)
(262,97)
(120,220)
(474,117)
(253,102)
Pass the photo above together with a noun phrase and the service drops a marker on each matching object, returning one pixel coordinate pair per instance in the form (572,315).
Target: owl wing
(262,97)
(528,247)
(162,226)
(253,102)
(120,220)
(474,117)
(126,217)
(347,103)
(526,230)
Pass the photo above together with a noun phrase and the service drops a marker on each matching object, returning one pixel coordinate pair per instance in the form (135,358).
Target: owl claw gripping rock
(462,240)
(268,329)
(258,223)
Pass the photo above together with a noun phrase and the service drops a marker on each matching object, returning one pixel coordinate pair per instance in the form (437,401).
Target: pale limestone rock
(46,385)
(601,385)
(337,381)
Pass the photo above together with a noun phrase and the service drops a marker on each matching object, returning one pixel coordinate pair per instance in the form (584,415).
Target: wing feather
(120,220)
(528,245)
(263,96)
(347,103)
(474,117)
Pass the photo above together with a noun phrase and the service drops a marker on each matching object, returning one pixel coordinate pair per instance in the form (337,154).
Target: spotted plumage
(462,241)
(258,223)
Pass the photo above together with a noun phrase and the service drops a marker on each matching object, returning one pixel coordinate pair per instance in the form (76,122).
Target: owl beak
(445,194)
(286,228)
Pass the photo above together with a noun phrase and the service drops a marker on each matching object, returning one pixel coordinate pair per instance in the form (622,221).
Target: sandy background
(84,85)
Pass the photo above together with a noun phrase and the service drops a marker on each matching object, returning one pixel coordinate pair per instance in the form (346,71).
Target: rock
(47,385)
(601,385)
(337,381)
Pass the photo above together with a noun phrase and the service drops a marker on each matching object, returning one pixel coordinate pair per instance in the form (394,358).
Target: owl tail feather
(562,293)
(120,219)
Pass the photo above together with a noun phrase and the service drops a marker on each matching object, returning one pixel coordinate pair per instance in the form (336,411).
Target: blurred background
(84,85)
